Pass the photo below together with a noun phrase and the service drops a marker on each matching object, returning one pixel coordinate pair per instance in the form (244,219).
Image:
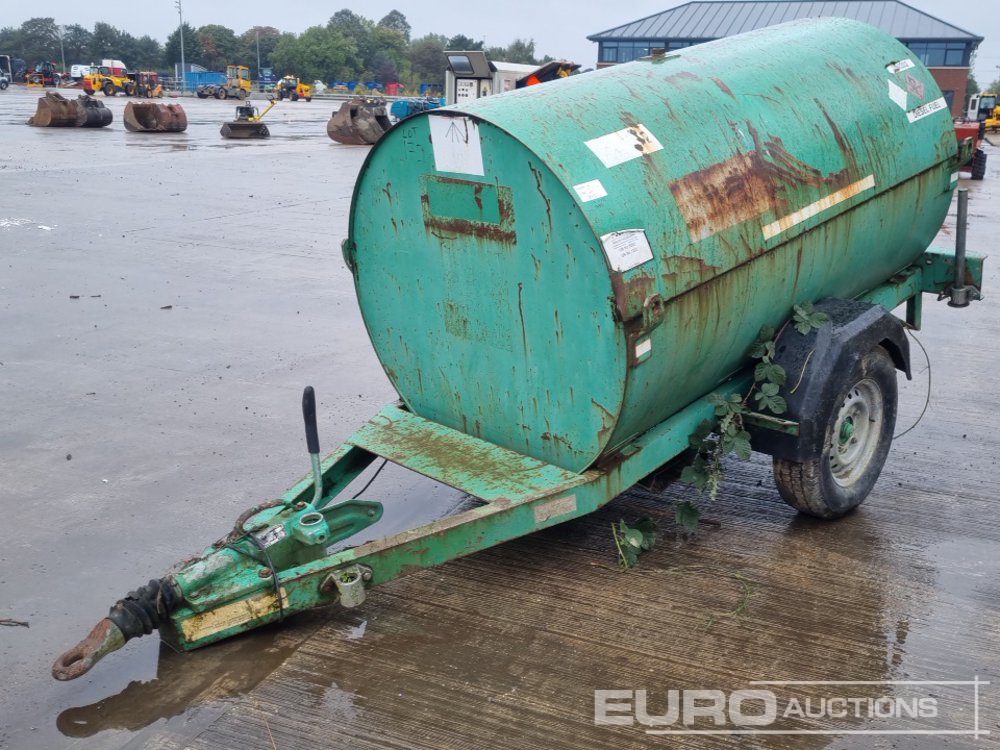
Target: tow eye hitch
(245,579)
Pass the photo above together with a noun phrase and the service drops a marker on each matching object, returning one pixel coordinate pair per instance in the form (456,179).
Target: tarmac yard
(164,298)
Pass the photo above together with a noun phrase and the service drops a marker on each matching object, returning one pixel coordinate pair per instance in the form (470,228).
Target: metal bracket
(769,422)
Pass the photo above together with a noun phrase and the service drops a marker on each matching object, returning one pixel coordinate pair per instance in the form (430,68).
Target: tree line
(349,47)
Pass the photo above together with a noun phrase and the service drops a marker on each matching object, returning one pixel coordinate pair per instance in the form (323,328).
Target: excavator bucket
(359,122)
(146,117)
(56,111)
(245,129)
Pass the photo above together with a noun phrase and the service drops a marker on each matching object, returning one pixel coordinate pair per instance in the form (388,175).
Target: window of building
(941,54)
(626,50)
(460,64)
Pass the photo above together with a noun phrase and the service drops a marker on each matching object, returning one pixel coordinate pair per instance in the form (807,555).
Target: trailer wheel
(109,89)
(857,439)
(979,164)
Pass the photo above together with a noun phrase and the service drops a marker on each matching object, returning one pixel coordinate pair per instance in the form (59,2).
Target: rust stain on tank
(685,75)
(684,270)
(449,228)
(548,202)
(748,185)
(723,87)
(630,294)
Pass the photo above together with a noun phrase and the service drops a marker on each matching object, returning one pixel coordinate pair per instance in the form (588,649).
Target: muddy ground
(164,299)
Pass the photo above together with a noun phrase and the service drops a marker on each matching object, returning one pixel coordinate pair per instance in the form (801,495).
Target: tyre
(309,98)
(856,443)
(241,94)
(979,164)
(3,83)
(295,96)
(201,94)
(129,89)
(220,94)
(109,89)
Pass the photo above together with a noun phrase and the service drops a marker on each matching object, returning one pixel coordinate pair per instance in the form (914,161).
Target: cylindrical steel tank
(558,269)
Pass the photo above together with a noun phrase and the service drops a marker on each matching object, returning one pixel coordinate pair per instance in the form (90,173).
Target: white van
(79,71)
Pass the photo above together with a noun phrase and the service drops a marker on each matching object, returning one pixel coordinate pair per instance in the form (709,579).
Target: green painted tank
(558,269)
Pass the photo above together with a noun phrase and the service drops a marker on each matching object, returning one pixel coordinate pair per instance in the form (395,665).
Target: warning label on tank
(456,145)
(900,66)
(626,249)
(926,109)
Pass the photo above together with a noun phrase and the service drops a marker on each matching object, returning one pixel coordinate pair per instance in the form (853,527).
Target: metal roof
(714,20)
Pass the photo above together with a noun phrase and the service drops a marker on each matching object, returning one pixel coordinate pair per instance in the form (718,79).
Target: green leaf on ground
(687,515)
(633,540)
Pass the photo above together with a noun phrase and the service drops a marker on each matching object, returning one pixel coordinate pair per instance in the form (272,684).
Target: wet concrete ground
(163,300)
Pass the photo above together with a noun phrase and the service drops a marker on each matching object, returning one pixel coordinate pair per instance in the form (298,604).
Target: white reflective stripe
(787,222)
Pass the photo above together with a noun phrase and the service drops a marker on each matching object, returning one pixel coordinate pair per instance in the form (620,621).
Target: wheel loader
(109,83)
(292,88)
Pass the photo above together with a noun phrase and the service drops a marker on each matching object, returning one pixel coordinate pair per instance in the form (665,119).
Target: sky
(559,29)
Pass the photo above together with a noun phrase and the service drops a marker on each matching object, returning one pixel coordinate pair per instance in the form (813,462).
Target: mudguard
(814,363)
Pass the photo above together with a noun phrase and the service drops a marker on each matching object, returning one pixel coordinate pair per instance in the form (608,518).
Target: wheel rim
(855,435)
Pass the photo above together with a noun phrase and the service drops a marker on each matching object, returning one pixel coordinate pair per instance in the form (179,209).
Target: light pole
(180,30)
(62,52)
(257,30)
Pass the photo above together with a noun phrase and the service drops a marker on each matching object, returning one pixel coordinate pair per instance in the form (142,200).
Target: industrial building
(943,47)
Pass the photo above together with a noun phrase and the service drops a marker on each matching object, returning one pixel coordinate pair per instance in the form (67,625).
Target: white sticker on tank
(926,109)
(624,145)
(626,249)
(456,145)
(900,66)
(643,347)
(898,94)
(590,191)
